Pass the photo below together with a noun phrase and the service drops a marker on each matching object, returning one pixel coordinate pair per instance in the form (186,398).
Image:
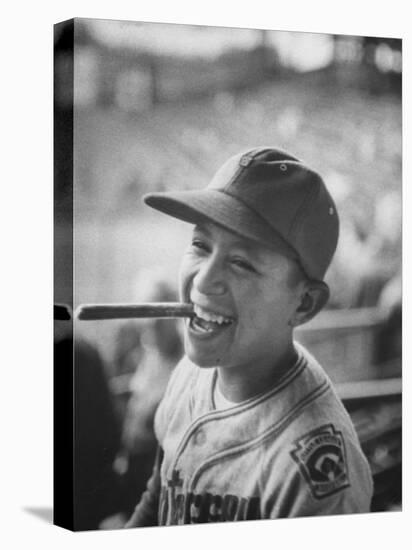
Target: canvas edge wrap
(63,371)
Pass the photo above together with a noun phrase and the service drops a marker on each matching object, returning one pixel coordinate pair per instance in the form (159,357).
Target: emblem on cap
(321,458)
(245,160)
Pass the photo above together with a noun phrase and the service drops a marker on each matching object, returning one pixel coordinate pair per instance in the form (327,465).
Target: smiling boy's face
(243,299)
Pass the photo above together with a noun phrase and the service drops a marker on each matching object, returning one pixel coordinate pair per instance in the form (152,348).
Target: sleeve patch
(321,457)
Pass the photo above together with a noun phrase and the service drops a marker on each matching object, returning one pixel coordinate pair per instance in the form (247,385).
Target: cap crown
(291,198)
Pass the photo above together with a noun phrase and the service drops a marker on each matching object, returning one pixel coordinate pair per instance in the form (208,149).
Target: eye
(200,245)
(243,264)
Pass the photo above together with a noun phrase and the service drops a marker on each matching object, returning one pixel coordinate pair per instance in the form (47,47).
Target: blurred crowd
(368,256)
(367,269)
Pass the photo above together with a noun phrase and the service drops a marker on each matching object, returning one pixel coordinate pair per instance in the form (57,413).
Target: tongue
(206,324)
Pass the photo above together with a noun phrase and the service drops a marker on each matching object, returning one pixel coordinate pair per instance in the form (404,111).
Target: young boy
(250,426)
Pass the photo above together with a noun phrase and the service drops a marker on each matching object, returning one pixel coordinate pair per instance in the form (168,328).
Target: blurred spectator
(96,441)
(350,267)
(128,348)
(352,259)
(161,350)
(389,337)
(363,263)
(383,248)
(127,356)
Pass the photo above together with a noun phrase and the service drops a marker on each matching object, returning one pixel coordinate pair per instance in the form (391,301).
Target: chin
(200,359)
(202,362)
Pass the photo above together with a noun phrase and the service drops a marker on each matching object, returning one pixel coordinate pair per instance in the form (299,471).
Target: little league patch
(321,457)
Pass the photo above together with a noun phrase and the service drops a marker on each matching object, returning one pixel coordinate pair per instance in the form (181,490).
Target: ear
(313,299)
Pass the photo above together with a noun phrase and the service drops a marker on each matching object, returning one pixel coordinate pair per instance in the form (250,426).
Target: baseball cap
(268,196)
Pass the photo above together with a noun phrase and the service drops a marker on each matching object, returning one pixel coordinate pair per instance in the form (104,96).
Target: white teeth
(207,316)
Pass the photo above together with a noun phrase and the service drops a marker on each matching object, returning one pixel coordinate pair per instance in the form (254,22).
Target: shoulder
(325,429)
(321,403)
(324,468)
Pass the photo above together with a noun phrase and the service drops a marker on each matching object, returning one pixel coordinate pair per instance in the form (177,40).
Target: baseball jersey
(291,451)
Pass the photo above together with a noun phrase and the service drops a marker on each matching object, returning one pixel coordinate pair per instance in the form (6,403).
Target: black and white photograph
(205,241)
(228,274)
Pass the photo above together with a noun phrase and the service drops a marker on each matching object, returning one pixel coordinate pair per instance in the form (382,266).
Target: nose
(209,279)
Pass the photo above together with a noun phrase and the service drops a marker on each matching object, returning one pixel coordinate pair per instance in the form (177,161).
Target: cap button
(283,167)
(331,211)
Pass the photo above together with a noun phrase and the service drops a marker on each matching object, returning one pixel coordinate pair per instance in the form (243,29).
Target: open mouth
(205,321)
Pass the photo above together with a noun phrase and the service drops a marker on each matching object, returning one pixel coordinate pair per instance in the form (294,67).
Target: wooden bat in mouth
(157,310)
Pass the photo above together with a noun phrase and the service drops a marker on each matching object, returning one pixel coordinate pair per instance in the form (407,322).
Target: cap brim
(223,209)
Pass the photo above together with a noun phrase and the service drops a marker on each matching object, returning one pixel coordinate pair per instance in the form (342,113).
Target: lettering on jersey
(177,507)
(321,457)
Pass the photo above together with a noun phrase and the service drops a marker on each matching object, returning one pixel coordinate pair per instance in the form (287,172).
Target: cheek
(186,274)
(270,311)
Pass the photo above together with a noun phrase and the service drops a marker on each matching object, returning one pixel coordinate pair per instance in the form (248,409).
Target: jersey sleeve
(323,472)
